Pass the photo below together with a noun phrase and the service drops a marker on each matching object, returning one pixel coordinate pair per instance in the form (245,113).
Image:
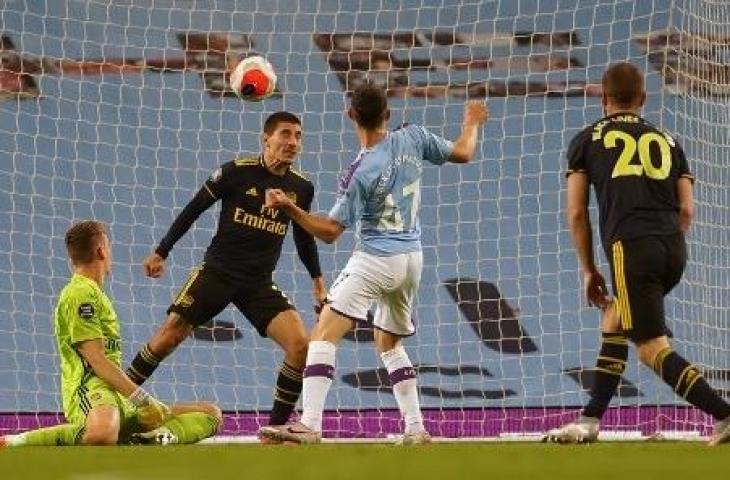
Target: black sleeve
(223,180)
(184,220)
(684,171)
(305,243)
(217,186)
(576,154)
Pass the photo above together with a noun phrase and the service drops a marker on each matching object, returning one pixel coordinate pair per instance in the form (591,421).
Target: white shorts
(390,282)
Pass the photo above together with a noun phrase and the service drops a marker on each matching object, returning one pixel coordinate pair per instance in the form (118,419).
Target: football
(253,79)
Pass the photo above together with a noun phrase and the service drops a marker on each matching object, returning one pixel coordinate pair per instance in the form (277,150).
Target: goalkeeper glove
(151,413)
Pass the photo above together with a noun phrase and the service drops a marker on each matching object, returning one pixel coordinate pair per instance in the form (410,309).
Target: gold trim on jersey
(246,161)
(622,300)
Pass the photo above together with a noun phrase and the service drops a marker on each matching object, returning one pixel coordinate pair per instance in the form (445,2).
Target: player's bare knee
(296,351)
(213,410)
(648,350)
(610,321)
(332,326)
(101,435)
(385,341)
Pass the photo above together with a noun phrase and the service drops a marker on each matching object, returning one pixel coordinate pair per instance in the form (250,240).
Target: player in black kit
(644,190)
(241,258)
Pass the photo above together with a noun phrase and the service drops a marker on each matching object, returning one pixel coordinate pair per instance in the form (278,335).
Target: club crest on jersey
(216,175)
(86,310)
(252,192)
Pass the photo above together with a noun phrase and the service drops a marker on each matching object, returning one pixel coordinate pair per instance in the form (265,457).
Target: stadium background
(130,149)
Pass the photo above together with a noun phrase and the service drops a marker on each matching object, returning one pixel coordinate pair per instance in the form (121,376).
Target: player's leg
(318,374)
(349,299)
(205,294)
(102,426)
(66,434)
(190,423)
(171,333)
(288,331)
(648,269)
(610,365)
(320,365)
(270,312)
(93,416)
(393,321)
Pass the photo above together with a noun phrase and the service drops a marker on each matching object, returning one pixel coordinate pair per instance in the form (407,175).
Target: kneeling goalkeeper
(101,404)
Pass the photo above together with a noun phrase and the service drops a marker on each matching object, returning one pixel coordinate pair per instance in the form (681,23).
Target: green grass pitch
(488,461)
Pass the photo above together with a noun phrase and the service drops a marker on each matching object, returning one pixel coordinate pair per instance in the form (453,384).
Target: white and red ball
(253,79)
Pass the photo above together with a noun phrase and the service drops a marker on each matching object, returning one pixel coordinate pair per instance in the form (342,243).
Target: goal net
(118,111)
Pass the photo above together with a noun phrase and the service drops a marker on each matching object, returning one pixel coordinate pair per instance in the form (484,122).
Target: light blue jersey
(382,190)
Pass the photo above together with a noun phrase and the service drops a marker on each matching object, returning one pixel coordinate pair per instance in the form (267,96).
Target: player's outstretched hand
(475,113)
(276,198)
(154,265)
(595,289)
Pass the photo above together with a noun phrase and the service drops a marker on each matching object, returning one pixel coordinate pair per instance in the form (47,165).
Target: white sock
(317,381)
(403,379)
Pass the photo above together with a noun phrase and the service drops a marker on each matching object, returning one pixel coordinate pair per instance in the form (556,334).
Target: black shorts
(208,291)
(644,270)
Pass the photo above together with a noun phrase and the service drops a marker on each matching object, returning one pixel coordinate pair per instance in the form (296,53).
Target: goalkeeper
(102,405)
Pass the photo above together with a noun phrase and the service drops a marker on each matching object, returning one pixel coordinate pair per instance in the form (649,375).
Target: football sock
(610,365)
(59,435)
(687,381)
(191,427)
(317,381)
(143,365)
(403,380)
(286,394)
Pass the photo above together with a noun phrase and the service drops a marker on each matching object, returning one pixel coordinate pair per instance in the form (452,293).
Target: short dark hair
(370,104)
(275,119)
(624,83)
(82,239)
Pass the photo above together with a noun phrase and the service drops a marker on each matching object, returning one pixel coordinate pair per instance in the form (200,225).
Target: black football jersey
(250,236)
(634,168)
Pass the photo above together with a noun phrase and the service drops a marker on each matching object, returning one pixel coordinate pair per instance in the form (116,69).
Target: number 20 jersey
(634,169)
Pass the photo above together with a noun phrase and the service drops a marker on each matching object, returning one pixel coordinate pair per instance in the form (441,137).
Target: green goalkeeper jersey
(84,312)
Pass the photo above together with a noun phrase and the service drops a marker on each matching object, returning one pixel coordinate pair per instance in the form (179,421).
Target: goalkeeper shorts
(94,392)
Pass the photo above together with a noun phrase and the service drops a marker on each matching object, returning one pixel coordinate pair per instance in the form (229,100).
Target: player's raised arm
(212,190)
(475,114)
